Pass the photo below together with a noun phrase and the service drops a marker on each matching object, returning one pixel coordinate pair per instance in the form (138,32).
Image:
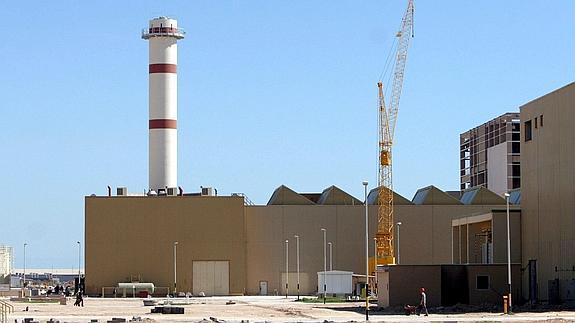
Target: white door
(211,277)
(263,288)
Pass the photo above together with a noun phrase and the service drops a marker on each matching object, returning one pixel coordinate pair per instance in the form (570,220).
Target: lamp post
(287,267)
(79,264)
(175,268)
(330,256)
(398,254)
(297,262)
(366,255)
(24,274)
(508,254)
(324,265)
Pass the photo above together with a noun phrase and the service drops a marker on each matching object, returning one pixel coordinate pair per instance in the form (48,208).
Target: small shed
(336,282)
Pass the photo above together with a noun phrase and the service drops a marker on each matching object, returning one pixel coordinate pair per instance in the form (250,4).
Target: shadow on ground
(458,309)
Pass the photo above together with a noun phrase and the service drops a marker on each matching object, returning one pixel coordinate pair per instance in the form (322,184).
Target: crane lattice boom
(387,120)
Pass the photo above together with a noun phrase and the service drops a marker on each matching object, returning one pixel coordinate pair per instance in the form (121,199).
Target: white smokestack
(163,34)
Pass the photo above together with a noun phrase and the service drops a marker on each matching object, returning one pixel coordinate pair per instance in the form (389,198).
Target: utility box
(336,282)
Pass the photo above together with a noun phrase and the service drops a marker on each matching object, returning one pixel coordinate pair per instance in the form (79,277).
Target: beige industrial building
(548,194)
(226,247)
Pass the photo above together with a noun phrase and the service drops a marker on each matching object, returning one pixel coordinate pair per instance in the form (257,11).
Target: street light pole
(330,256)
(324,266)
(175,269)
(297,262)
(287,267)
(508,255)
(398,254)
(366,255)
(24,279)
(79,264)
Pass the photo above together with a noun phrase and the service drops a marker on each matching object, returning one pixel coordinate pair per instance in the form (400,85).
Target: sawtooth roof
(333,195)
(284,195)
(397,199)
(481,196)
(431,195)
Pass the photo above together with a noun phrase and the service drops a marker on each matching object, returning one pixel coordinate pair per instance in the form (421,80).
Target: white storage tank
(133,288)
(336,282)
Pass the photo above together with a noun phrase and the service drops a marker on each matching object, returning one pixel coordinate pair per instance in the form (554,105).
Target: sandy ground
(252,308)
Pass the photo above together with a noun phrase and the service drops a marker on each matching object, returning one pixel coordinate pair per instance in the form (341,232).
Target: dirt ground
(252,309)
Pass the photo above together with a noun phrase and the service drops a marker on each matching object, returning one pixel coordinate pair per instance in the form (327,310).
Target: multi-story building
(6,260)
(490,155)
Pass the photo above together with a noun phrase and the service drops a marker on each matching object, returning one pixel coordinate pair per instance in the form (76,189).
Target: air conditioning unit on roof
(172,191)
(208,191)
(122,191)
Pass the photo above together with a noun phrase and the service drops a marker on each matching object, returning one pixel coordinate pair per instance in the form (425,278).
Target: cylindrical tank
(163,34)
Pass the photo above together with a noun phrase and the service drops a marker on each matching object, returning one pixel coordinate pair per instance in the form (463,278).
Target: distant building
(35,276)
(490,155)
(6,260)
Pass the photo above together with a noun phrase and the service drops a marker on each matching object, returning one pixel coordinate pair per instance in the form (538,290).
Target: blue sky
(270,93)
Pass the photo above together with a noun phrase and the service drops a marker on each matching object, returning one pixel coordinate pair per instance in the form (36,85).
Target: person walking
(422,302)
(79,299)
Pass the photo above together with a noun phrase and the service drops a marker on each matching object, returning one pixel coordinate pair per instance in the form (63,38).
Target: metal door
(211,277)
(263,287)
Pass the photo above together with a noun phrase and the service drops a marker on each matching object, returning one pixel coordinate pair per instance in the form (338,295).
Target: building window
(535,122)
(528,131)
(516,182)
(516,170)
(515,148)
(480,179)
(541,120)
(482,282)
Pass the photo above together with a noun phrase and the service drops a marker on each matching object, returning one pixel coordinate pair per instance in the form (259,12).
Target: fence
(5,309)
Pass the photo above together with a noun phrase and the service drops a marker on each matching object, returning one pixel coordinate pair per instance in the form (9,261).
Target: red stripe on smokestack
(163,124)
(162,68)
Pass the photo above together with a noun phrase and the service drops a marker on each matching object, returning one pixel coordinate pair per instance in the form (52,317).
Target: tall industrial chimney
(163,34)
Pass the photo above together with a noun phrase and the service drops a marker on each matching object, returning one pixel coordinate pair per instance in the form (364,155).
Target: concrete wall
(404,282)
(548,186)
(267,227)
(500,236)
(498,283)
(134,236)
(425,238)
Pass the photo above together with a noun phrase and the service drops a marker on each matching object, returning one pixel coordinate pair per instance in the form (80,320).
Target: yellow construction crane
(387,119)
